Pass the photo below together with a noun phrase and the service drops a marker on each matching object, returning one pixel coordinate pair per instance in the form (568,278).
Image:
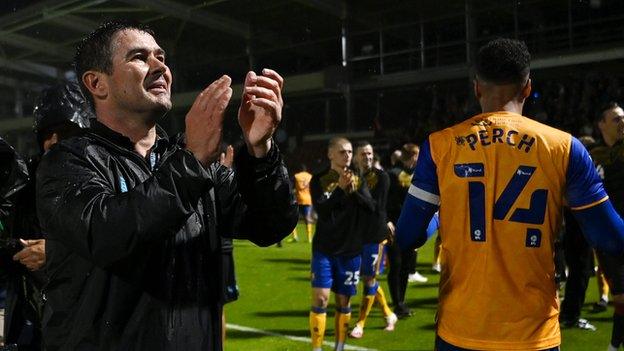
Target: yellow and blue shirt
(500,181)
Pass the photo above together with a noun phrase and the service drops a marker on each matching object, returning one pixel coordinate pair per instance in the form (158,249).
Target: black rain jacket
(343,219)
(22,318)
(133,245)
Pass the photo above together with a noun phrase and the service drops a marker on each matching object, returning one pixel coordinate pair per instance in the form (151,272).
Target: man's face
(140,81)
(365,157)
(340,155)
(612,124)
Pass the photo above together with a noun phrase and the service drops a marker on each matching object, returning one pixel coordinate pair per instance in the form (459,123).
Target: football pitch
(272,312)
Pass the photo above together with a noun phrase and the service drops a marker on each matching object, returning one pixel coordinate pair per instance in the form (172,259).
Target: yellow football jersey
(500,181)
(302,188)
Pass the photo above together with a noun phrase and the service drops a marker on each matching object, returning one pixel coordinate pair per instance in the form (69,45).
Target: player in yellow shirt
(304,200)
(500,181)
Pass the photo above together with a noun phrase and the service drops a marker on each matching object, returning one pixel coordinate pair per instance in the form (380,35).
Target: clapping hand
(260,111)
(204,121)
(345,182)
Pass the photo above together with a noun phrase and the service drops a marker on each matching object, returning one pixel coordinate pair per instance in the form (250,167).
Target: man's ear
(601,124)
(477,88)
(51,140)
(526,90)
(96,84)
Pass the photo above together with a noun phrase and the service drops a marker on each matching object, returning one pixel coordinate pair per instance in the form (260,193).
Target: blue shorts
(339,273)
(441,345)
(372,260)
(305,211)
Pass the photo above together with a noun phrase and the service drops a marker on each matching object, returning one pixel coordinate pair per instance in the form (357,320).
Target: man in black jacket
(374,241)
(402,263)
(61,112)
(13,178)
(133,218)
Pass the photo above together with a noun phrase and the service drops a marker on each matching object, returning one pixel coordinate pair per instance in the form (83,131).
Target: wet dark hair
(503,61)
(95,52)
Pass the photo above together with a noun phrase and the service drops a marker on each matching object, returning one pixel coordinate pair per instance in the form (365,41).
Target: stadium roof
(386,43)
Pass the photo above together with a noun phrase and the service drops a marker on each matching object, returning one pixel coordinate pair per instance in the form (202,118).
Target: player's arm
(363,196)
(257,200)
(322,203)
(381,194)
(421,203)
(601,224)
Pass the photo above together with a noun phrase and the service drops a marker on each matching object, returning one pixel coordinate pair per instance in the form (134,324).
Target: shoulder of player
(545,129)
(441,137)
(619,151)
(598,149)
(383,175)
(601,153)
(82,147)
(324,175)
(320,173)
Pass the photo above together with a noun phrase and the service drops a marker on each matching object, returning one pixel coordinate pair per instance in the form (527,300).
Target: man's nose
(156,65)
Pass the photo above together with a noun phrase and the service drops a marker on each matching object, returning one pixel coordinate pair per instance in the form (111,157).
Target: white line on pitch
(290,337)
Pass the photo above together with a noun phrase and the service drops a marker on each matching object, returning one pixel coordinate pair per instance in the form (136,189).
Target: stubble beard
(155,109)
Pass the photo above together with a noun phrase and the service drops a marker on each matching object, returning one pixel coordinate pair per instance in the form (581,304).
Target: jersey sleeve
(602,226)
(434,225)
(584,187)
(424,185)
(421,203)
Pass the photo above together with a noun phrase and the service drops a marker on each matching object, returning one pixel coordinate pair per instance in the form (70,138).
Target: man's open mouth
(158,86)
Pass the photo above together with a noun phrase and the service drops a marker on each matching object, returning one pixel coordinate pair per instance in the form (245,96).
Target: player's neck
(494,105)
(608,140)
(337,168)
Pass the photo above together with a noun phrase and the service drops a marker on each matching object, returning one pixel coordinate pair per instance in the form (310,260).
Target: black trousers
(402,264)
(579,259)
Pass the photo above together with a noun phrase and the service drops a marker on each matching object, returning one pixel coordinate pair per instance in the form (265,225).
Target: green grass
(275,297)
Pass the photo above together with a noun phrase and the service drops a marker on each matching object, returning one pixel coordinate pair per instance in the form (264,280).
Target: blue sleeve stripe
(596,203)
(423,195)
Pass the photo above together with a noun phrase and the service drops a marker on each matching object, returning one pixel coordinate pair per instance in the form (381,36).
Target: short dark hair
(604,108)
(336,141)
(408,151)
(95,51)
(362,143)
(503,61)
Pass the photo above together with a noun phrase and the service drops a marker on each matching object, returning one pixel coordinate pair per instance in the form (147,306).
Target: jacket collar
(101,130)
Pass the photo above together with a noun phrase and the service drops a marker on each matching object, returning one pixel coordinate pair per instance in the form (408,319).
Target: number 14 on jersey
(502,207)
